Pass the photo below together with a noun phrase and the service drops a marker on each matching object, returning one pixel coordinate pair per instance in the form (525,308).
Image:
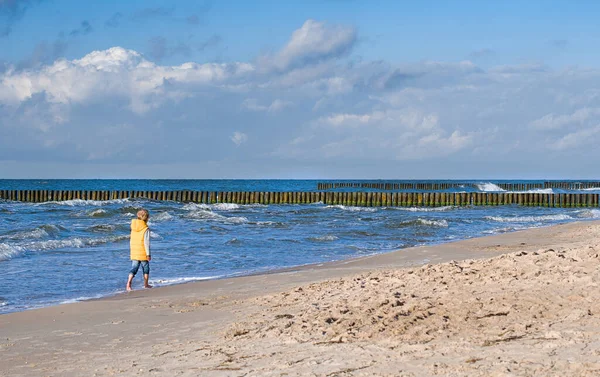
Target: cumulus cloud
(314,107)
(113,72)
(239,138)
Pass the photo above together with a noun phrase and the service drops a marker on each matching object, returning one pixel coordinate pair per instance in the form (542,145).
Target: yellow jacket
(136,242)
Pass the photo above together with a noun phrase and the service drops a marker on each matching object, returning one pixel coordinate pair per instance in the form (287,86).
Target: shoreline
(116,331)
(283,270)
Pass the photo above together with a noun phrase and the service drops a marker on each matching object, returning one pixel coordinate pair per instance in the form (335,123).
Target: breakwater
(508,186)
(360,199)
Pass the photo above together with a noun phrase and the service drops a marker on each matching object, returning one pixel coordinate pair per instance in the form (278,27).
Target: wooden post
(410,199)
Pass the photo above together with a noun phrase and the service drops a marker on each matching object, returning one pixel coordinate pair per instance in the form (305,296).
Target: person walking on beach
(139,245)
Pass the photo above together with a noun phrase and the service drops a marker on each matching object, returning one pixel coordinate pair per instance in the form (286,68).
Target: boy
(139,244)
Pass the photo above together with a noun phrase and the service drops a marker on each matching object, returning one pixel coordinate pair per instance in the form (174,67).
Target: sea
(60,252)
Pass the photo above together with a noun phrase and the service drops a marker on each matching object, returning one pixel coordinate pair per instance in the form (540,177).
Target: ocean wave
(81,298)
(216,206)
(505,230)
(233,241)
(488,187)
(209,215)
(324,238)
(102,228)
(528,219)
(352,208)
(37,233)
(98,213)
(424,209)
(154,235)
(66,243)
(9,251)
(273,224)
(439,223)
(81,202)
(171,281)
(225,206)
(590,189)
(588,214)
(535,191)
(161,216)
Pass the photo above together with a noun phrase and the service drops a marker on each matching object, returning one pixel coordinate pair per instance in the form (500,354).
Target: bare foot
(147,286)
(129,288)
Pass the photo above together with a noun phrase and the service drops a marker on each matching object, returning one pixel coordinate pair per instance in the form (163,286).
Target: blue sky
(299,89)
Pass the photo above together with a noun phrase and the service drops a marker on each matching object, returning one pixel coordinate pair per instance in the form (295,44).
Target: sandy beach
(517,304)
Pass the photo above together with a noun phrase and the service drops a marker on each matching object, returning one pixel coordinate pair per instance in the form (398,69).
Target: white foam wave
(541,191)
(327,237)
(9,251)
(529,219)
(424,209)
(588,214)
(159,282)
(195,206)
(440,223)
(161,216)
(534,191)
(590,189)
(489,187)
(81,202)
(225,206)
(209,215)
(103,228)
(216,206)
(81,298)
(503,230)
(97,212)
(352,208)
(154,235)
(12,250)
(25,235)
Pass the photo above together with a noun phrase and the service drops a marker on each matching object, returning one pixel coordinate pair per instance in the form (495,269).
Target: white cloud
(239,138)
(552,121)
(114,72)
(311,108)
(313,42)
(578,139)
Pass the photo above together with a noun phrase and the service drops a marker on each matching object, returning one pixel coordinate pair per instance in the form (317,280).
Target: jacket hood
(138,225)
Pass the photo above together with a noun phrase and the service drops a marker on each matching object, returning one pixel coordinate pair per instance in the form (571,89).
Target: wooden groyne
(368,199)
(571,185)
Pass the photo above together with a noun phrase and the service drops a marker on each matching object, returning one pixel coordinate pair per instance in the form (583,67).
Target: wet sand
(518,304)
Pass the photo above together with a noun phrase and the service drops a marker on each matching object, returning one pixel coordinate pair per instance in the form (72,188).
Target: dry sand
(519,304)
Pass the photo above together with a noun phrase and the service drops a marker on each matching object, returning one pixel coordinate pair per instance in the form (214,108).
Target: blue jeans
(135,265)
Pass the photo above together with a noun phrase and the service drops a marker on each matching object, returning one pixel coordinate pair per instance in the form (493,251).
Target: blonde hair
(143,214)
